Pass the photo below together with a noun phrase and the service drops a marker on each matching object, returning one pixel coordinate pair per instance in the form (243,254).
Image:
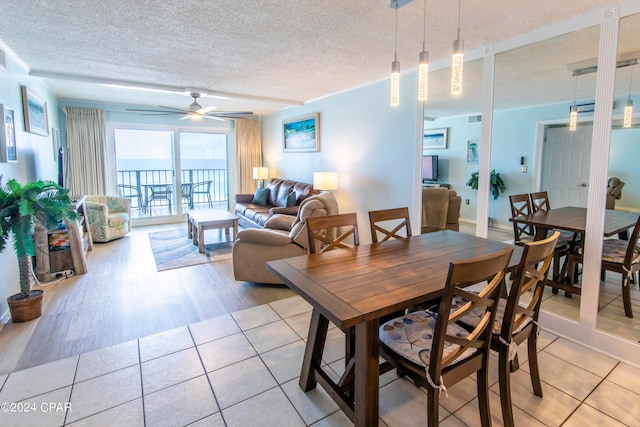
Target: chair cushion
(614,250)
(118,218)
(261,196)
(411,336)
(473,317)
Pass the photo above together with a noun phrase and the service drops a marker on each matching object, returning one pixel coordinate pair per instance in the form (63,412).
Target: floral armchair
(109,217)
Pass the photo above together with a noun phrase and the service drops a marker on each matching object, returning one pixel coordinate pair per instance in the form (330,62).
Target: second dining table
(356,287)
(574,219)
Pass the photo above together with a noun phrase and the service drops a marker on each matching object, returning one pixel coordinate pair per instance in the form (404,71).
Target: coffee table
(207,219)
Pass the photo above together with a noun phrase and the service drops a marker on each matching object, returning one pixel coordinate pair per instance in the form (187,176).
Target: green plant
(497,184)
(20,205)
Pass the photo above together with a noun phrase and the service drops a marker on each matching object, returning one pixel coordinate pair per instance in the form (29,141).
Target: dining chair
(385,215)
(325,234)
(521,205)
(204,188)
(436,352)
(619,256)
(567,242)
(321,241)
(516,323)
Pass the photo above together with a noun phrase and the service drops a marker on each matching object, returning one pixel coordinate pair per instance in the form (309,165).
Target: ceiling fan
(195,111)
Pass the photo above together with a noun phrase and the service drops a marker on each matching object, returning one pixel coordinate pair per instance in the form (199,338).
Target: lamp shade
(260,172)
(325,181)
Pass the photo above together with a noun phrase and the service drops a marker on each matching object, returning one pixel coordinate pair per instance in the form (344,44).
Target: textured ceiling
(296,51)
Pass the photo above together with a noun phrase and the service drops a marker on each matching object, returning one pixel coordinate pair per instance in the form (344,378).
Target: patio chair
(131,192)
(203,187)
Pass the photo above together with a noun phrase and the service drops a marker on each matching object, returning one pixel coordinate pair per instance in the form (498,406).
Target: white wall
(35,157)
(371,146)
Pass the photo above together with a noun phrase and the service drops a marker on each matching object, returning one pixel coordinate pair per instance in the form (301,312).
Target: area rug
(172,249)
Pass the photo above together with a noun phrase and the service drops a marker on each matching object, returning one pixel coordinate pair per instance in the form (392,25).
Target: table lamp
(260,173)
(325,181)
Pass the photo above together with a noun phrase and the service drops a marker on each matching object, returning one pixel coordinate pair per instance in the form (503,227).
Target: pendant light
(457,61)
(628,109)
(395,67)
(573,115)
(423,62)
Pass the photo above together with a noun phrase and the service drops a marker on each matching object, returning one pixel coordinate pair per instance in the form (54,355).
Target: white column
(599,166)
(484,149)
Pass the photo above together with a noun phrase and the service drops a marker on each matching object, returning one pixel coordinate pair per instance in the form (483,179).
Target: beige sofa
(440,209)
(252,215)
(254,247)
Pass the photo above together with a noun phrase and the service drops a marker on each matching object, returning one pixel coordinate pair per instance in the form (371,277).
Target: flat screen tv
(429,168)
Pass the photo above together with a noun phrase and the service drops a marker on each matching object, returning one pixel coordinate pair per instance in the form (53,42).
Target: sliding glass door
(203,164)
(166,172)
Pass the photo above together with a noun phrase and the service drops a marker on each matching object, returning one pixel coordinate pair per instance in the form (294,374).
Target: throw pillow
(261,196)
(291,199)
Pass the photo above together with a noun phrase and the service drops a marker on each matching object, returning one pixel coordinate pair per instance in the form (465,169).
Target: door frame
(537,156)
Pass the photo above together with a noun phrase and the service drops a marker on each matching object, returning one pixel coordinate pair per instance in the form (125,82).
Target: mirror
(443,111)
(626,195)
(533,148)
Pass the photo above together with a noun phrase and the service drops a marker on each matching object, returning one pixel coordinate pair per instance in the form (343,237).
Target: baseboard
(6,318)
(495,226)
(623,208)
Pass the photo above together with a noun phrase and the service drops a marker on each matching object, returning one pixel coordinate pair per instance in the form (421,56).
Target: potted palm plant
(496,185)
(20,206)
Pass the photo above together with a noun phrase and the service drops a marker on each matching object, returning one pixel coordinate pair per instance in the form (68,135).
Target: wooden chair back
(346,226)
(376,217)
(540,201)
(463,274)
(632,247)
(521,205)
(531,274)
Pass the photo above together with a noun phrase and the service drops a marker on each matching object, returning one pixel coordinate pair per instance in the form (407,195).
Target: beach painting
(301,134)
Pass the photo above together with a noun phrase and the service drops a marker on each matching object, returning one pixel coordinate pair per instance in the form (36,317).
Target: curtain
(87,151)
(249,149)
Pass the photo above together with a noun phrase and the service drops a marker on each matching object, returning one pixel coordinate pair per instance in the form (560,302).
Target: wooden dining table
(574,219)
(356,287)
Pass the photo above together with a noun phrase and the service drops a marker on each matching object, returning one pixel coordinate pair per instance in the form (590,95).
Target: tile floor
(241,369)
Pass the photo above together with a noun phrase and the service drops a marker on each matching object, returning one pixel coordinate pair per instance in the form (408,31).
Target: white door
(565,165)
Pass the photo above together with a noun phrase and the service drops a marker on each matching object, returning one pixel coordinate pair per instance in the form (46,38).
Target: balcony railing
(138,185)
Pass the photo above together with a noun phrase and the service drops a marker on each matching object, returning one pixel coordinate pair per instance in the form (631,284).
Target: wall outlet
(466,201)
(524,168)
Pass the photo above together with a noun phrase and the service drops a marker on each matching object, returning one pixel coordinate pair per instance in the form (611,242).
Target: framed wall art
(8,149)
(434,138)
(35,113)
(472,150)
(301,134)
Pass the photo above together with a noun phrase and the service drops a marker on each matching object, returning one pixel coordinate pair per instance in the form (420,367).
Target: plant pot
(25,309)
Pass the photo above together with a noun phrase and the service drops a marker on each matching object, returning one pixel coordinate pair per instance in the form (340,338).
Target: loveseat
(277,200)
(109,217)
(440,209)
(283,236)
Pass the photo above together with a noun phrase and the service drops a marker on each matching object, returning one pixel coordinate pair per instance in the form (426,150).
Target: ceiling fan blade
(140,110)
(231,113)
(184,118)
(174,109)
(215,118)
(160,114)
(205,110)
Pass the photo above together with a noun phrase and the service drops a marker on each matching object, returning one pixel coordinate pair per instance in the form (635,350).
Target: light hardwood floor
(123,297)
